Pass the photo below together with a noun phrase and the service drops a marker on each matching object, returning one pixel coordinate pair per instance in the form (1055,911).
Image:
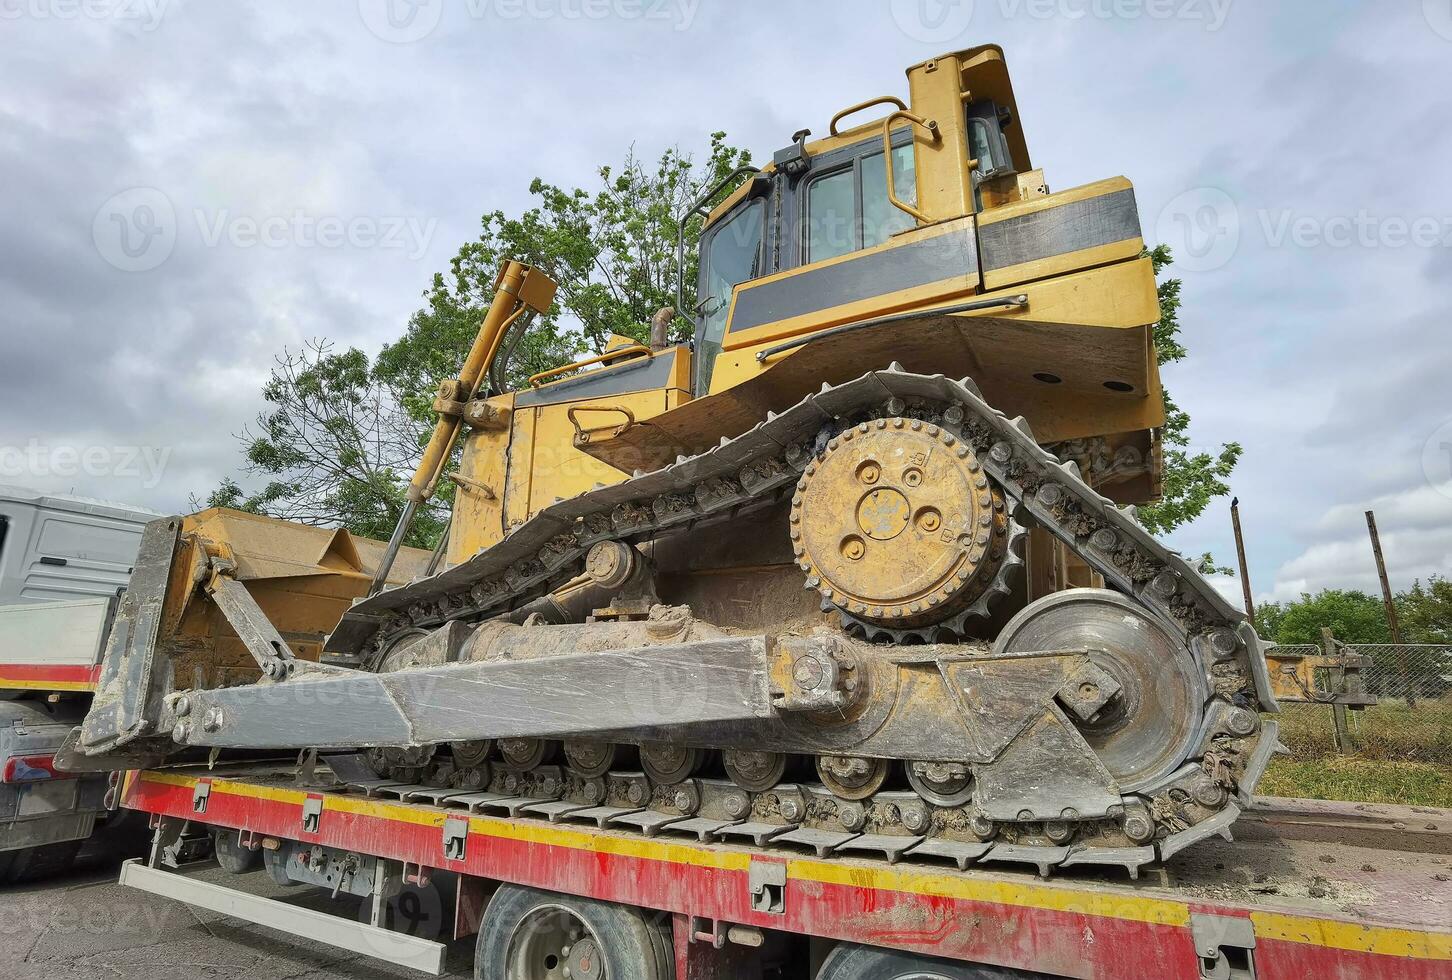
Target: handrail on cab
(609,355)
(880,100)
(931,126)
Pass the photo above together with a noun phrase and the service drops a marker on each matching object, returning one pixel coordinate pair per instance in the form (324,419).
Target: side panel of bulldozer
(512,468)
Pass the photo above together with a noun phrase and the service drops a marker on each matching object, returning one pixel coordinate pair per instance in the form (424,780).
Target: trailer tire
(36,863)
(851,962)
(231,855)
(524,926)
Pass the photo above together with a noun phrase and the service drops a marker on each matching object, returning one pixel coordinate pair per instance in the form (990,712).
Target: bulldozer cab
(859,190)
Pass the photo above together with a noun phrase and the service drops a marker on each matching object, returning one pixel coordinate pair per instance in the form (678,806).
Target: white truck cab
(63,562)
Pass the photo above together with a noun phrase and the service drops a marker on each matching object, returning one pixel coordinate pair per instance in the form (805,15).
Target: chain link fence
(1411,722)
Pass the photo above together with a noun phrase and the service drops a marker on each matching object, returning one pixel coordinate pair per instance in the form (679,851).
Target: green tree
(335,446)
(1192,479)
(342,434)
(611,250)
(1425,612)
(1353,616)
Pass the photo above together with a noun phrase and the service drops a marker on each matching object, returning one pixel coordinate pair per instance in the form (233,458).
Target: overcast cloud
(191,186)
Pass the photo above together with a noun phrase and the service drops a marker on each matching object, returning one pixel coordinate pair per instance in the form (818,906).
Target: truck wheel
(529,934)
(36,863)
(231,855)
(850,962)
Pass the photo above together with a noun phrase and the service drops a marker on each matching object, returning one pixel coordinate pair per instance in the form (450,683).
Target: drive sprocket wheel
(898,526)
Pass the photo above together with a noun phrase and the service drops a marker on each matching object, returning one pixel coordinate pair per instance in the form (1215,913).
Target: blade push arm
(520,291)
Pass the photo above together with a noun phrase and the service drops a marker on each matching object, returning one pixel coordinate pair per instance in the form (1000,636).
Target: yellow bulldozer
(859,562)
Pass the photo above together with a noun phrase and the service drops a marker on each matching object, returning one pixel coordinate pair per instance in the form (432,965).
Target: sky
(190,187)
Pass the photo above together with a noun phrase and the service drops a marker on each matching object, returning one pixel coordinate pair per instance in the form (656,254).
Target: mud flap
(128,696)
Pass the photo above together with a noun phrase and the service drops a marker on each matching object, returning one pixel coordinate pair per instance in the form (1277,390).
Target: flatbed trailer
(1308,890)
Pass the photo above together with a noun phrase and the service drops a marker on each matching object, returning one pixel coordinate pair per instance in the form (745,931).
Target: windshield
(731,255)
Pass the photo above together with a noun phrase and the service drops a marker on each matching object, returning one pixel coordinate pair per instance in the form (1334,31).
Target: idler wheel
(1147,729)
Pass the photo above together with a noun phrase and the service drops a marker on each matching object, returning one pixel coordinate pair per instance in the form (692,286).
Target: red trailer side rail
(1393,923)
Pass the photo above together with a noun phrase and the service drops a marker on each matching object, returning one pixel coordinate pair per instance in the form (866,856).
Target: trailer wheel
(851,962)
(529,934)
(231,855)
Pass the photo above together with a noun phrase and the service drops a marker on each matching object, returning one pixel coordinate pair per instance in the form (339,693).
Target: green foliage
(1192,479)
(342,435)
(1425,612)
(1353,616)
(335,446)
(611,250)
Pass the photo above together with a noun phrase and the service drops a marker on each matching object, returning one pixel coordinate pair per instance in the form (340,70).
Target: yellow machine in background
(859,558)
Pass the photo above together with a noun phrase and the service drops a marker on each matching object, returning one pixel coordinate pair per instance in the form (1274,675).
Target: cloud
(1415,528)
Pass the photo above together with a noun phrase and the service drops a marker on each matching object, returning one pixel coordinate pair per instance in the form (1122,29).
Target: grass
(1361,780)
(1403,755)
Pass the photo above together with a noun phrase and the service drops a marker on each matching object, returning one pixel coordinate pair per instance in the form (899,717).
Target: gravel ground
(84,926)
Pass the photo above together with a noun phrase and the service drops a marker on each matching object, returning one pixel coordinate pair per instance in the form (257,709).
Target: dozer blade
(129,692)
(212,598)
(708,681)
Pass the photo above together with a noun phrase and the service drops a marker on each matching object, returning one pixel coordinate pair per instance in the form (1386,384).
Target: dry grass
(1389,731)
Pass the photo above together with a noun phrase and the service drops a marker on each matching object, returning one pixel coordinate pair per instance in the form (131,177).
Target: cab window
(730,255)
(848,209)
